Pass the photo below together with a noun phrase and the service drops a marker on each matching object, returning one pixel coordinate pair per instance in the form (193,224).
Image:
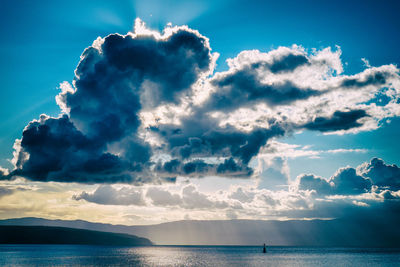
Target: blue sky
(41,44)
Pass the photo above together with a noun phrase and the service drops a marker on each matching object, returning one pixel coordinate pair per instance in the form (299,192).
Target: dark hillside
(10,234)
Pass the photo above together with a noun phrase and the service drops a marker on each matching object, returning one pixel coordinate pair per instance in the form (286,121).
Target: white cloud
(108,195)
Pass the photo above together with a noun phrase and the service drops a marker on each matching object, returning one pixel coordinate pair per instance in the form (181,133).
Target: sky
(141,112)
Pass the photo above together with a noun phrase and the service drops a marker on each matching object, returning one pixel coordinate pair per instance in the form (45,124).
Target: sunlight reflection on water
(70,255)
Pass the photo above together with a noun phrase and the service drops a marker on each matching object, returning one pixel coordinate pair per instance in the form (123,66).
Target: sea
(81,255)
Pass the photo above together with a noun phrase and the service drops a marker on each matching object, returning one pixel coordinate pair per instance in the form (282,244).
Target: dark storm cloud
(53,149)
(375,78)
(107,195)
(381,174)
(4,175)
(387,194)
(340,120)
(281,60)
(244,88)
(198,168)
(111,87)
(112,83)
(176,167)
(200,136)
(288,62)
(230,168)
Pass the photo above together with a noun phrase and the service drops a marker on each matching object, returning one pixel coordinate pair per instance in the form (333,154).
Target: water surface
(80,255)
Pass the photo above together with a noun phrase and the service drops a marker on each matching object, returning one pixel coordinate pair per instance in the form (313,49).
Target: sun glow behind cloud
(157,13)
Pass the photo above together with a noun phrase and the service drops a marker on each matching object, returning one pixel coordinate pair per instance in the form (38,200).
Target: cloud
(192,198)
(244,86)
(230,168)
(189,198)
(345,194)
(53,149)
(381,174)
(3,172)
(198,136)
(243,89)
(318,198)
(203,137)
(199,168)
(340,120)
(242,195)
(147,107)
(312,182)
(162,197)
(387,194)
(350,181)
(97,139)
(108,195)
(347,182)
(344,182)
(371,78)
(366,62)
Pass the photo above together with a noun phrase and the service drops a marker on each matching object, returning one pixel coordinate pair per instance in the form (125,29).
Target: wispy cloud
(284,150)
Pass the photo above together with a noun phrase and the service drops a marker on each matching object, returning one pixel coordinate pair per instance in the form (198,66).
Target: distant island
(11,234)
(356,231)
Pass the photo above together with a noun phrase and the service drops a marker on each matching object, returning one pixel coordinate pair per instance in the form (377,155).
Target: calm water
(67,255)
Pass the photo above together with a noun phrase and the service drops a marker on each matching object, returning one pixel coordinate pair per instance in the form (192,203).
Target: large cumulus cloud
(97,138)
(148,107)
